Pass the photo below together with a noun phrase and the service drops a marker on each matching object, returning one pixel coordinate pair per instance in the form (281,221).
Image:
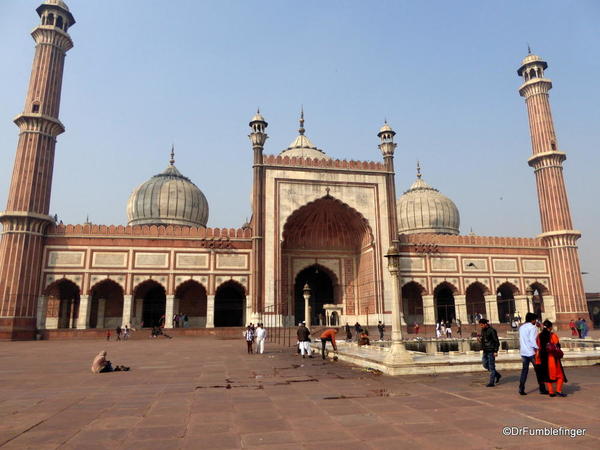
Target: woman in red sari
(548,357)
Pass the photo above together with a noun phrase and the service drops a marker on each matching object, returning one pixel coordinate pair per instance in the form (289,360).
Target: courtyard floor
(206,393)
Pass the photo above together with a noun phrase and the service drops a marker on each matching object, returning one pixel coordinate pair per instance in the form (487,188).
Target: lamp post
(306,291)
(397,353)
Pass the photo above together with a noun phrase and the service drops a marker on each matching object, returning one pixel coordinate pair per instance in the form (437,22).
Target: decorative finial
(385,120)
(418,170)
(528,49)
(258,110)
(327,189)
(172,160)
(301,130)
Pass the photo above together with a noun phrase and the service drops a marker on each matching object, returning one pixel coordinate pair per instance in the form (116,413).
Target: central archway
(322,292)
(230,304)
(328,229)
(444,303)
(154,303)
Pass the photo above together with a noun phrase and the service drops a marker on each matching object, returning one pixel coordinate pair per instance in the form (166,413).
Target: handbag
(554,350)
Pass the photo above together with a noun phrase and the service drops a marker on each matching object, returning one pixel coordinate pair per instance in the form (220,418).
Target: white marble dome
(302,147)
(423,209)
(168,198)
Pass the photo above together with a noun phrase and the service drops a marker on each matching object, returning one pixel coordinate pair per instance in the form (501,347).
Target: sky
(147,74)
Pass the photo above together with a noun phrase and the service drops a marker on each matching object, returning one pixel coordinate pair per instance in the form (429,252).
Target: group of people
(304,340)
(540,348)
(444,329)
(255,335)
(120,333)
(181,321)
(579,328)
(362,334)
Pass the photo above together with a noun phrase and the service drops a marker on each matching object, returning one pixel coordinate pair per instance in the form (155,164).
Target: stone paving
(205,393)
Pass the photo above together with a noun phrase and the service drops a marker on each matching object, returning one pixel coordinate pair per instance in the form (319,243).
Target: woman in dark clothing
(548,357)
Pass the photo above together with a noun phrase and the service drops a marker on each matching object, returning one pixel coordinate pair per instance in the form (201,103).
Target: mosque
(319,223)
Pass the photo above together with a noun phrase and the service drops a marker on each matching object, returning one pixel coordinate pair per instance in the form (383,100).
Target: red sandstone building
(316,220)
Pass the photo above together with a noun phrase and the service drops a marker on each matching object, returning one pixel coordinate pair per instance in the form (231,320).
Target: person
(572,327)
(490,345)
(364,338)
(261,335)
(448,330)
(348,333)
(459,327)
(249,335)
(101,365)
(381,328)
(442,328)
(126,333)
(328,335)
(584,329)
(438,330)
(186,321)
(528,346)
(513,324)
(158,331)
(174,320)
(118,333)
(108,335)
(578,327)
(416,328)
(303,335)
(357,330)
(548,357)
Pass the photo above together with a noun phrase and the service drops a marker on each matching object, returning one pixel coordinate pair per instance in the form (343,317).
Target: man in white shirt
(528,344)
(261,335)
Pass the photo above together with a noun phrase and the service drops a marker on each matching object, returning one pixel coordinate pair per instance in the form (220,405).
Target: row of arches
(475,302)
(58,21)
(106,304)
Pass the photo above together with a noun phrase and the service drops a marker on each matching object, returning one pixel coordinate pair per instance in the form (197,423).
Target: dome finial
(418,170)
(301,130)
(172,160)
(528,49)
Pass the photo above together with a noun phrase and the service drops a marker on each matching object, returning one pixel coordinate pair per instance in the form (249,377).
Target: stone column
(521,305)
(72,318)
(491,307)
(127,310)
(42,310)
(210,311)
(460,306)
(397,353)
(83,320)
(171,310)
(428,310)
(101,311)
(139,308)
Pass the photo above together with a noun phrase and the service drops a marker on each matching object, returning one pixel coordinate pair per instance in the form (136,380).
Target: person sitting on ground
(102,365)
(328,335)
(364,338)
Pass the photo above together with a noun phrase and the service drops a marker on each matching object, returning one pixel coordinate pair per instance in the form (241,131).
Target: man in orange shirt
(328,335)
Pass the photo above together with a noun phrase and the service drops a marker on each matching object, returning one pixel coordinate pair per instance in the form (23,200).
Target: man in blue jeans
(490,345)
(528,344)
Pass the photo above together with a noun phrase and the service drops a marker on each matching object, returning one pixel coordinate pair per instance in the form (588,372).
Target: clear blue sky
(144,74)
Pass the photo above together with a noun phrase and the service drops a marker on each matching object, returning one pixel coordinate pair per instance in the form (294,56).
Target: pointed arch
(63,304)
(475,301)
(230,304)
(412,302)
(192,302)
(151,297)
(505,299)
(106,304)
(443,296)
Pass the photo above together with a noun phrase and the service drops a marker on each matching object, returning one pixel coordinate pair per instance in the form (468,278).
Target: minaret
(387,147)
(26,217)
(547,160)
(258,137)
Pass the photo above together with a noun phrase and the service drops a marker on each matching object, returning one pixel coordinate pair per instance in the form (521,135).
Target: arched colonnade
(106,305)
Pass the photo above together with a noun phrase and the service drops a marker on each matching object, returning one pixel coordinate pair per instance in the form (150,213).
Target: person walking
(449,330)
(126,333)
(490,346)
(348,333)
(118,333)
(417,328)
(328,336)
(438,330)
(108,335)
(249,335)
(381,328)
(584,329)
(303,335)
(528,334)
(549,358)
(357,330)
(572,327)
(261,335)
(578,327)
(459,327)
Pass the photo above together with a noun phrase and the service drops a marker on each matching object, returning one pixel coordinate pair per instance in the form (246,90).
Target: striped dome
(422,209)
(168,198)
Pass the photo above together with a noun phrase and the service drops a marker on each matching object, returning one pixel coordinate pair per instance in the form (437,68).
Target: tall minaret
(387,147)
(26,217)
(258,137)
(557,226)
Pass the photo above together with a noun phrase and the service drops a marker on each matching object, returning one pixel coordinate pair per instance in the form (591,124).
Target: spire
(172,160)
(528,49)
(418,170)
(301,130)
